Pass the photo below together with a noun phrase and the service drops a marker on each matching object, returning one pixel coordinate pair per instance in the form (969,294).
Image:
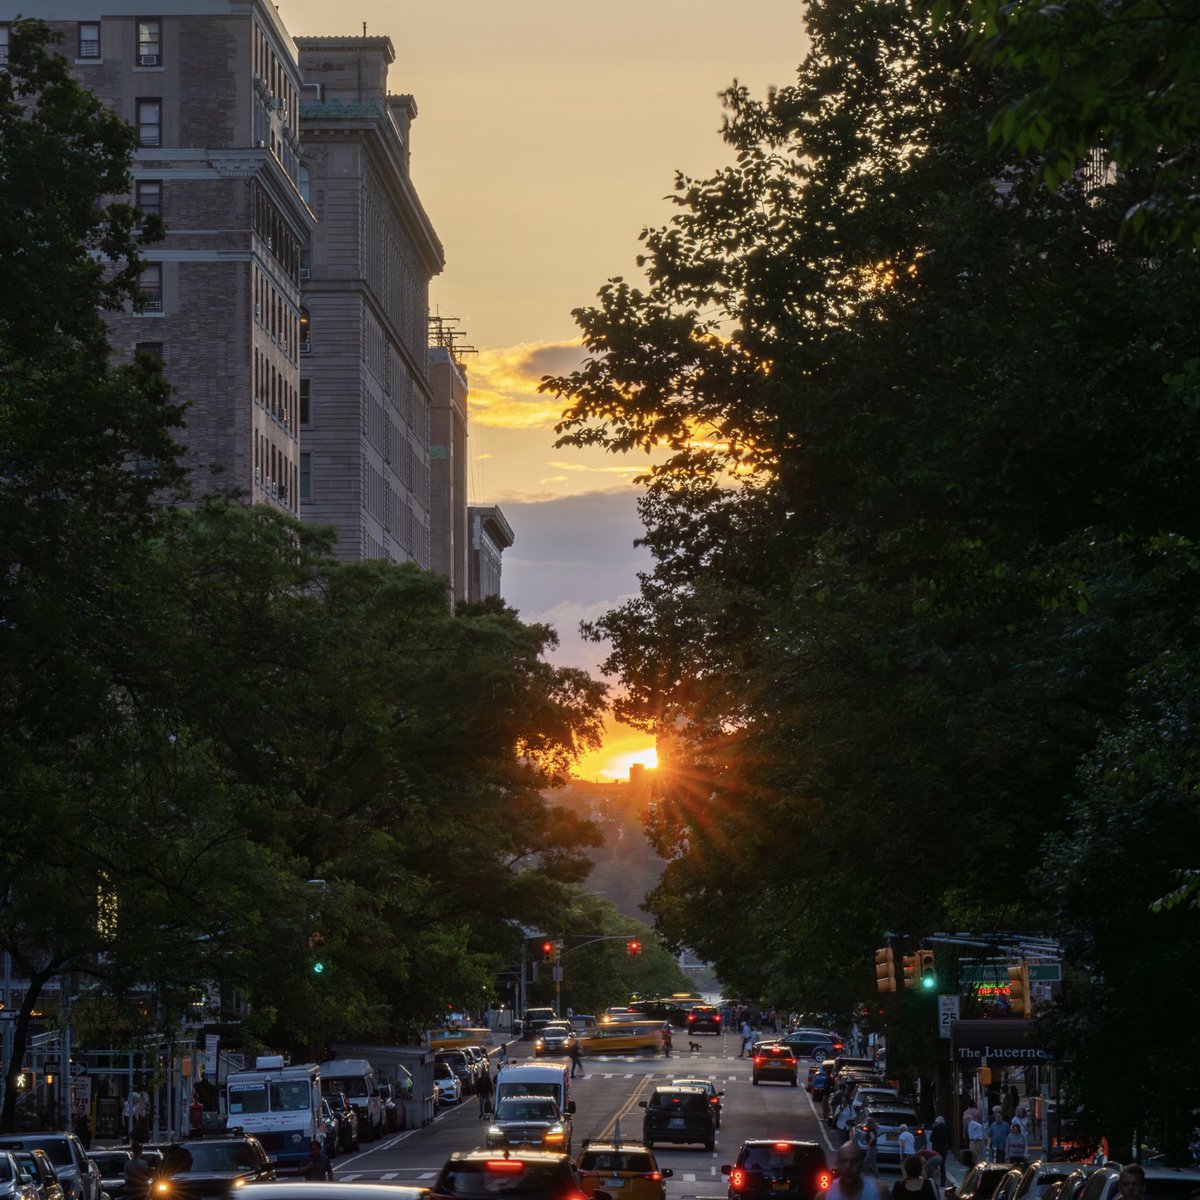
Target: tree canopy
(926,521)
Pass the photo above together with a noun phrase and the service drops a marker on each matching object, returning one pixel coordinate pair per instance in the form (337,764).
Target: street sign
(9,1014)
(947,1012)
(1045,972)
(77,1070)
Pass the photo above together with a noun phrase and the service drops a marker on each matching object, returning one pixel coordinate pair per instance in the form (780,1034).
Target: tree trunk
(19,1044)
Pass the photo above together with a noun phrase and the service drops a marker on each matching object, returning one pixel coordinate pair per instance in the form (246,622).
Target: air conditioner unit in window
(306,347)
(279,103)
(147,60)
(305,273)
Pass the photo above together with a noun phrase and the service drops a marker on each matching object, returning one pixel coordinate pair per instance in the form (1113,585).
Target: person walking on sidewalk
(576,1056)
(975,1132)
(939,1143)
(912,1184)
(998,1137)
(486,1091)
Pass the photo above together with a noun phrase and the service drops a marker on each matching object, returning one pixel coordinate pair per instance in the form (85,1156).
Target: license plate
(614,1183)
(781,1185)
(676,1123)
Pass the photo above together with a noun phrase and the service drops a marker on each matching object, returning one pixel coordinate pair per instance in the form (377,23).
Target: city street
(609,1092)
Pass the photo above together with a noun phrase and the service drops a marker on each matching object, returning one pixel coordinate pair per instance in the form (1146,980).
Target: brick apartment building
(289,299)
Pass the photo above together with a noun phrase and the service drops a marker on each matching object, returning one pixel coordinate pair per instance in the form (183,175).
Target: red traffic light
(547,952)
(633,947)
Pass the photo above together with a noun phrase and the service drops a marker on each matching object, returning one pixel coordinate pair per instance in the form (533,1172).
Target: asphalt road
(609,1092)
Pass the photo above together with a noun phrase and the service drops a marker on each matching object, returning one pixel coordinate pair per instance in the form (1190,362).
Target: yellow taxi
(623,1170)
(622,1038)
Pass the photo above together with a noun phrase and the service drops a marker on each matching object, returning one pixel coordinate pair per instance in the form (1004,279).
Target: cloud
(504,382)
(553,479)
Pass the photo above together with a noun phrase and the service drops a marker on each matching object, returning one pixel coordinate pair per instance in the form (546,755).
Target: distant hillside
(625,867)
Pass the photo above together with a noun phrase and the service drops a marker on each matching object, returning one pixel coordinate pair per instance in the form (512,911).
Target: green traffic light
(318,968)
(928,981)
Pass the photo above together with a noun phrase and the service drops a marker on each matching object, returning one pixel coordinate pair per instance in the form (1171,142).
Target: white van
(548,1078)
(354,1077)
(280,1105)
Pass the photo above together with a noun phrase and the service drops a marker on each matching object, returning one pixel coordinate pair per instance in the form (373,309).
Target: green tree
(923,520)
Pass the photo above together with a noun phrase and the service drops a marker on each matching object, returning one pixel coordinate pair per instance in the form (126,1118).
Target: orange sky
(547,135)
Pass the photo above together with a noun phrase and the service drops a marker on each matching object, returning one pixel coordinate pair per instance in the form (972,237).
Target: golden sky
(548,134)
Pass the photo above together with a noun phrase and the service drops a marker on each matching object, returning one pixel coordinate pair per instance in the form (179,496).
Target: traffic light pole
(560,953)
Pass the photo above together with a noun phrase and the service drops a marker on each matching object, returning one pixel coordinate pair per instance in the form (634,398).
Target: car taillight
(824,1180)
(653,1176)
(505,1166)
(782,1146)
(737,1179)
(757,1059)
(714,1100)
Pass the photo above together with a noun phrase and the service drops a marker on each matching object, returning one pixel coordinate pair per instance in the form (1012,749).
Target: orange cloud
(504,382)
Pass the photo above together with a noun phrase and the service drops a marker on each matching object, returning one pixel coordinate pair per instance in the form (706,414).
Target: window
(305,181)
(4,29)
(306,402)
(153,349)
(89,39)
(305,331)
(148,195)
(305,476)
(149,48)
(150,285)
(149,120)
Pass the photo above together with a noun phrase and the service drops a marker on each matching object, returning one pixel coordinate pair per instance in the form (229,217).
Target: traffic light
(316,940)
(885,970)
(1018,989)
(633,947)
(26,1079)
(547,951)
(910,970)
(927,970)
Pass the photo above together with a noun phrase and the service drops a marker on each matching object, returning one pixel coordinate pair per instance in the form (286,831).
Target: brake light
(782,1146)
(824,1181)
(653,1176)
(505,1166)
(714,1100)
(737,1179)
(757,1059)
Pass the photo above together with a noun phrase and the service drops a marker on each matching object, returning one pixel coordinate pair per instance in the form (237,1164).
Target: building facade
(213,88)
(491,535)
(365,388)
(448,468)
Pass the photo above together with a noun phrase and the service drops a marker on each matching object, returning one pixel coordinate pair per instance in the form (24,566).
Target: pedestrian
(576,1056)
(866,1138)
(848,1182)
(318,1165)
(1008,1109)
(975,1133)
(666,1039)
(912,1184)
(137,1174)
(1132,1182)
(998,1138)
(845,1120)
(932,1163)
(502,1057)
(939,1143)
(486,1090)
(1018,1142)
(907,1144)
(747,1038)
(196,1117)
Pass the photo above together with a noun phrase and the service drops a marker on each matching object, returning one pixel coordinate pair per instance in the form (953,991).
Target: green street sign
(1045,972)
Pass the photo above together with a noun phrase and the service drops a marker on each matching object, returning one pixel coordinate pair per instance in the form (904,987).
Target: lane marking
(607,1132)
(427,1175)
(351,1178)
(390,1175)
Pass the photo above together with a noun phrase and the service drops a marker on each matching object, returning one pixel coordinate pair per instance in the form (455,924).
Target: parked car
(523,1175)
(449,1086)
(347,1119)
(1006,1189)
(678,1114)
(818,1079)
(529,1123)
(979,1183)
(460,1063)
(627,1167)
(1039,1175)
(890,1121)
(710,1089)
(874,1093)
(765,1167)
(774,1062)
(1162,1183)
(37,1165)
(1070,1188)
(15,1184)
(79,1176)
(815,1045)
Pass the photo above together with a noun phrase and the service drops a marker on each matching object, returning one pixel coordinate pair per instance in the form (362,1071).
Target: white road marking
(390,1175)
(689,1177)
(349,1178)
(629,1076)
(427,1175)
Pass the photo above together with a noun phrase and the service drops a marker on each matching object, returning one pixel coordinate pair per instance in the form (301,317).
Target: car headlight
(556,1133)
(494,1131)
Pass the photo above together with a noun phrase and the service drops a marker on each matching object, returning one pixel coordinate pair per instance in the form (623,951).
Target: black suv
(704,1018)
(535,1019)
(528,1175)
(212,1167)
(769,1168)
(678,1114)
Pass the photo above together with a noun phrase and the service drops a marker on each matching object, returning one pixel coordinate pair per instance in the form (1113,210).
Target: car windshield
(57,1149)
(290,1096)
(247,1098)
(6,1171)
(355,1085)
(110,1164)
(205,1158)
(685,1101)
(503,1177)
(773,1158)
(526,1110)
(616,1160)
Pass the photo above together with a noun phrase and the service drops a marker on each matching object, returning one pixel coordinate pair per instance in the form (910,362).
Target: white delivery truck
(546,1078)
(356,1078)
(280,1105)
